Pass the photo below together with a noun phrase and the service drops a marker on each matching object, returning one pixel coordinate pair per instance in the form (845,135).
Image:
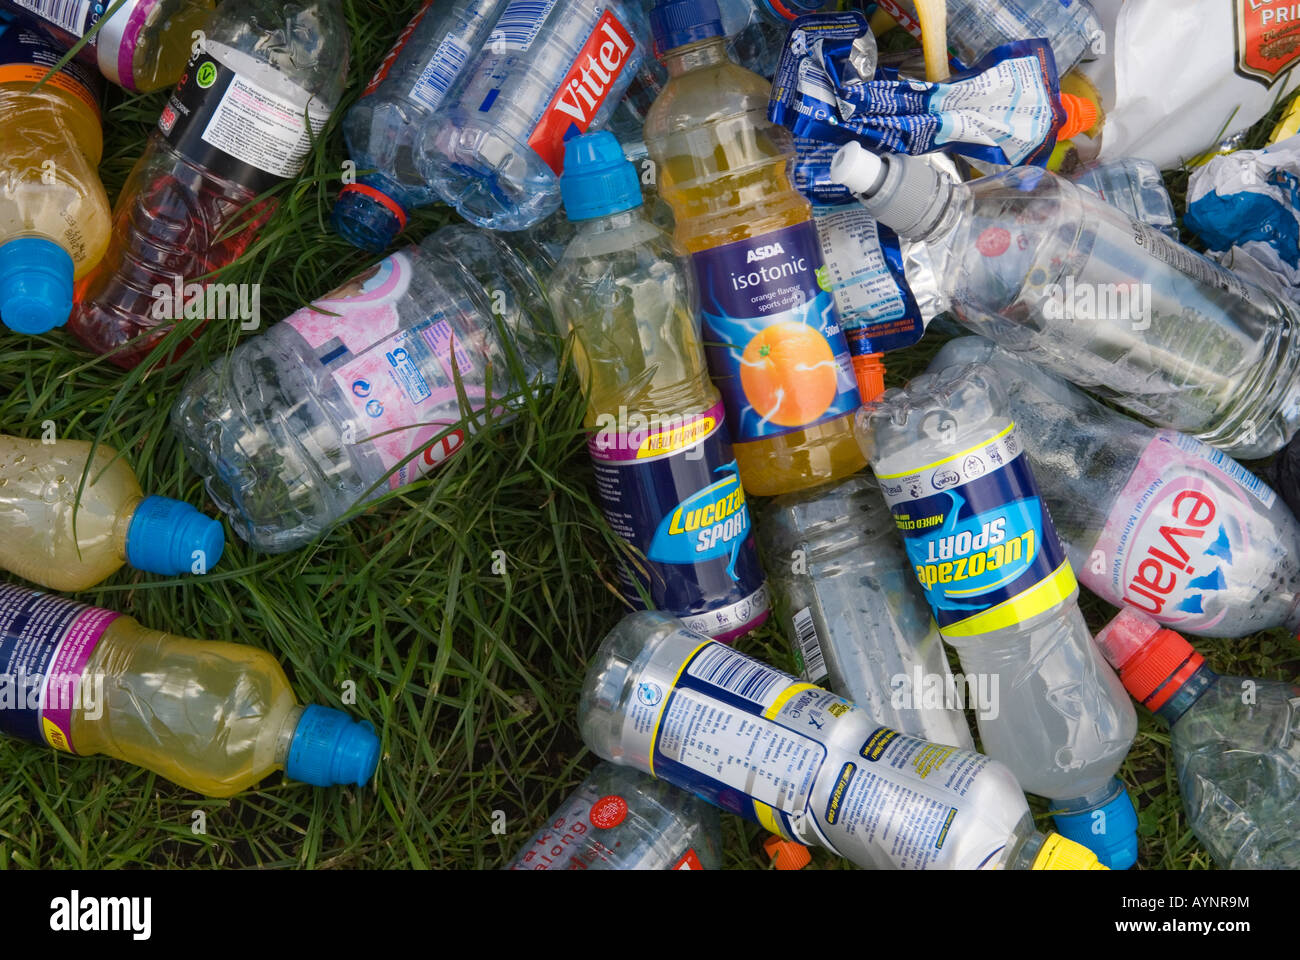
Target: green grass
(470,677)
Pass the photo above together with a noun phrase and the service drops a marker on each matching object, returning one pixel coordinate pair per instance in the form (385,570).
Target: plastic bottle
(981,541)
(1134,186)
(1233,739)
(619,819)
(1150,518)
(1055,274)
(849,604)
(976,27)
(495,148)
(384,127)
(50,536)
(658,434)
(232,129)
(213,717)
(54,219)
(302,423)
(769,321)
(806,764)
(756,29)
(141,47)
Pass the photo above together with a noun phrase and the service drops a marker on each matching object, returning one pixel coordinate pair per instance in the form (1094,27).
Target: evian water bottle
(548,70)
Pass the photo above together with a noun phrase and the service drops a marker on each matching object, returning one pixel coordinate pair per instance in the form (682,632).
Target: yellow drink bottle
(767,314)
(49,538)
(212,717)
(54,214)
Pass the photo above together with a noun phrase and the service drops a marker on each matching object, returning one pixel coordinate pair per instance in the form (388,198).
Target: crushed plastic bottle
(619,819)
(1150,518)
(1235,743)
(1135,187)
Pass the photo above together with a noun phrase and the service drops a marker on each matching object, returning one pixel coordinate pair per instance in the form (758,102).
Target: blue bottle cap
(329,748)
(35,285)
(597,179)
(367,216)
(168,536)
(1109,831)
(678,22)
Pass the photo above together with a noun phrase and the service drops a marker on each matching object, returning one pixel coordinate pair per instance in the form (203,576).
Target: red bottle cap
(1153,662)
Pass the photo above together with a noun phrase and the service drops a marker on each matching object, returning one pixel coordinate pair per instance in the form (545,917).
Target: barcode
(518,26)
(813,82)
(814,664)
(1235,471)
(736,673)
(69,15)
(440,73)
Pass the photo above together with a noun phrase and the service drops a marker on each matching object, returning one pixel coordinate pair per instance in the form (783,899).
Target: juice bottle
(768,316)
(54,214)
(213,717)
(50,536)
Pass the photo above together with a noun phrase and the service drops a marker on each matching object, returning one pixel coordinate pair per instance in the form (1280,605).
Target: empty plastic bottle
(302,423)
(619,819)
(548,70)
(658,436)
(213,717)
(1054,273)
(384,127)
(976,27)
(142,46)
(1235,743)
(806,764)
(1134,186)
(254,96)
(50,536)
(54,219)
(849,604)
(756,29)
(950,463)
(1150,518)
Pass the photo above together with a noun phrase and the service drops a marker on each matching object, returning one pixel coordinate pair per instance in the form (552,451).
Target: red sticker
(608,812)
(994,242)
(689,861)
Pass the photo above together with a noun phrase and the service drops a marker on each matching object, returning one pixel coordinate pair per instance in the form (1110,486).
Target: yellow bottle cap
(1058,853)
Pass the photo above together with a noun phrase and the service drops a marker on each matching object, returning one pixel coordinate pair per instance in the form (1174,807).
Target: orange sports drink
(767,313)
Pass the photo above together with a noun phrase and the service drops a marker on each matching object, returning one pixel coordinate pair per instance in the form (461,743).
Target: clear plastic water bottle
(1134,186)
(1052,272)
(213,717)
(495,148)
(619,819)
(804,763)
(658,433)
(1234,741)
(257,90)
(848,601)
(756,29)
(951,465)
(975,27)
(383,128)
(302,423)
(1150,518)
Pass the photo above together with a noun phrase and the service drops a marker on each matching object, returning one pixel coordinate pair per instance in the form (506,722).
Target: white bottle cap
(858,169)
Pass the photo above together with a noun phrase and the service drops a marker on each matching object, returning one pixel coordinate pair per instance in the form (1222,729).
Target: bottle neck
(284,739)
(122,526)
(1023,846)
(1192,690)
(695,56)
(613,222)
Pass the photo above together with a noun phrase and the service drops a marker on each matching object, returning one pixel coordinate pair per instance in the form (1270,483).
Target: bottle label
(590,81)
(398,381)
(518,26)
(669,487)
(1266,45)
(390,58)
(1200,268)
(807,648)
(226,123)
(980,539)
(1181,528)
(26,57)
(440,72)
(776,350)
(45,644)
(71,17)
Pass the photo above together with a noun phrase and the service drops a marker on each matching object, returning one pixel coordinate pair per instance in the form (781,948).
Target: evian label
(591,80)
(1181,525)
(1268,38)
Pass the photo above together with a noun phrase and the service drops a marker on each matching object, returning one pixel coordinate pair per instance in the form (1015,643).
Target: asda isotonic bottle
(50,536)
(806,764)
(256,92)
(213,717)
(54,219)
(358,394)
(142,46)
(951,465)
(619,819)
(658,433)
(769,321)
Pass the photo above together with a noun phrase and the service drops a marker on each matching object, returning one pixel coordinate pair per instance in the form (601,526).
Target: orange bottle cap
(870,371)
(1080,115)
(787,854)
(1147,655)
